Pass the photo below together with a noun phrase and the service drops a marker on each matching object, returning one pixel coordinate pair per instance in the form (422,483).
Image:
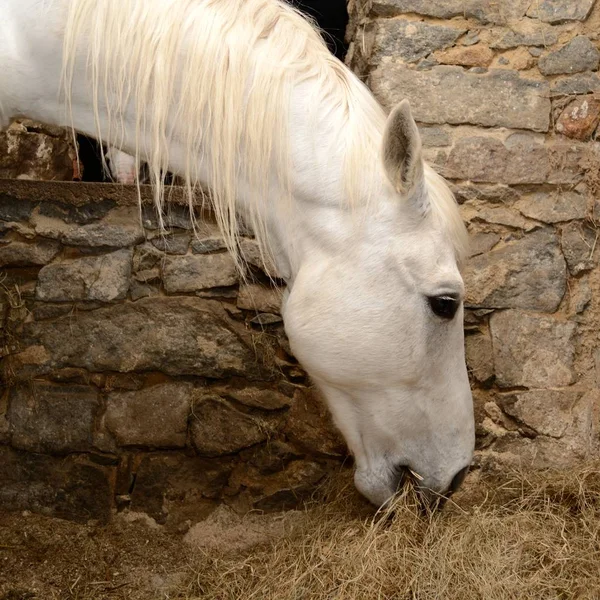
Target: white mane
(229,89)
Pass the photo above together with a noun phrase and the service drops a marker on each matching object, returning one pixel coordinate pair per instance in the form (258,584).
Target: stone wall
(507,96)
(138,371)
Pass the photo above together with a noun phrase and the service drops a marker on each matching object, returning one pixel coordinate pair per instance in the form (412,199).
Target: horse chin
(375,487)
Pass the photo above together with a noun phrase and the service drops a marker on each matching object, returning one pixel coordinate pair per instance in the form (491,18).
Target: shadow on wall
(330,15)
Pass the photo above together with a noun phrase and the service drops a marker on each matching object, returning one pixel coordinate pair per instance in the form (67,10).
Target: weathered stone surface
(73,487)
(79,214)
(528,273)
(532,350)
(31,151)
(266,319)
(520,160)
(109,235)
(15,209)
(174,243)
(467,56)
(172,488)
(21,254)
(584,83)
(411,40)
(260,298)
(445,94)
(197,272)
(557,11)
(483,10)
(496,214)
(482,241)
(146,256)
(309,426)
(526,33)
(103,278)
(155,417)
(580,119)
(218,429)
(494,194)
(519,59)
(434,137)
(206,245)
(553,207)
(265,399)
(250,252)
(479,356)
(52,418)
(578,244)
(177,336)
(547,412)
(576,56)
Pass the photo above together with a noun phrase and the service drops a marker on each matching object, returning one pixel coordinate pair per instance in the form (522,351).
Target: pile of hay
(528,537)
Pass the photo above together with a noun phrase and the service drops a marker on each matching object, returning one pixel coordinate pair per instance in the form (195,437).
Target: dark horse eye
(444,306)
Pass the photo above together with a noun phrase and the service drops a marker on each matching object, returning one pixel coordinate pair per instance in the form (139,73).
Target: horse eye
(444,306)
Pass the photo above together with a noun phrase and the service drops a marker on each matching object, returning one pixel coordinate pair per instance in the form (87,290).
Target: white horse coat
(243,96)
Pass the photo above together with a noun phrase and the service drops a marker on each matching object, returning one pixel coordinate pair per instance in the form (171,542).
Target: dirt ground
(521,536)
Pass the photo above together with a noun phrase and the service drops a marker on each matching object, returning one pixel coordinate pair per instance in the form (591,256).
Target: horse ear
(402,155)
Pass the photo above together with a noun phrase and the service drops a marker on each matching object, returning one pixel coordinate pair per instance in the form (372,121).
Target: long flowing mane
(216,76)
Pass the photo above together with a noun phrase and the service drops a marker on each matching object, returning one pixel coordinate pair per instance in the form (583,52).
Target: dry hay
(523,536)
(530,537)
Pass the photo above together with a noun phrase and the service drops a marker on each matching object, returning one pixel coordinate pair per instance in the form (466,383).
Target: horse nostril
(401,473)
(458,479)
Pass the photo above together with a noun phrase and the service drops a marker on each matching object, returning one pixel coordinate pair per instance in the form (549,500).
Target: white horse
(242,96)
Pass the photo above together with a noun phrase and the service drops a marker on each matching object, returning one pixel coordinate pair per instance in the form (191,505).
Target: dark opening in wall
(330,15)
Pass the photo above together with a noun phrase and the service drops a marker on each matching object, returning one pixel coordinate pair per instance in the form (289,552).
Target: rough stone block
(576,56)
(554,207)
(265,399)
(450,95)
(557,11)
(410,41)
(578,244)
(52,418)
(528,273)
(580,119)
(177,336)
(250,252)
(466,56)
(22,254)
(103,278)
(198,272)
(526,33)
(32,151)
(547,412)
(218,429)
(583,83)
(15,209)
(153,417)
(479,356)
(532,350)
(77,214)
(174,243)
(519,160)
(483,10)
(72,487)
(260,298)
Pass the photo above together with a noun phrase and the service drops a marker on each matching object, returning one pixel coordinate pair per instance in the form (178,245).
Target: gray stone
(584,83)
(259,298)
(479,356)
(488,160)
(528,273)
(103,278)
(411,40)
(547,412)
(482,241)
(578,245)
(15,209)
(251,254)
(449,95)
(527,33)
(265,399)
(177,336)
(471,38)
(532,350)
(174,243)
(496,214)
(218,429)
(52,418)
(175,215)
(67,487)
(154,417)
(557,11)
(576,56)
(104,235)
(146,256)
(264,319)
(434,137)
(208,244)
(142,290)
(580,295)
(553,207)
(79,214)
(483,10)
(197,272)
(21,254)
(466,191)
